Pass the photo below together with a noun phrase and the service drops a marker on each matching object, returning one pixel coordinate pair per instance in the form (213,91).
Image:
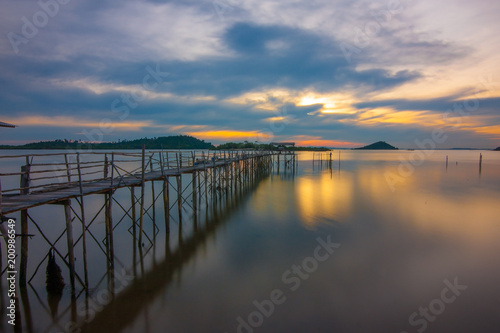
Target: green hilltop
(165,142)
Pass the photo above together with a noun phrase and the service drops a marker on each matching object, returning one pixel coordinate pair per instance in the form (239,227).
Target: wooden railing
(46,172)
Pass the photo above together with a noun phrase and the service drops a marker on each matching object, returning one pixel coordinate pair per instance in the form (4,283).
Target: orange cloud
(328,143)
(317,141)
(229,135)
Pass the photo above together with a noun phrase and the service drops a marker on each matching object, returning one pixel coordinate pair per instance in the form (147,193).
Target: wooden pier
(154,165)
(188,178)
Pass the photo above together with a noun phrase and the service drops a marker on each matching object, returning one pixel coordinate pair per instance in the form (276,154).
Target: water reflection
(397,249)
(134,302)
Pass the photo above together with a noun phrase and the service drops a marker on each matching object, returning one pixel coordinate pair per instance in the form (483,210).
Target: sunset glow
(240,72)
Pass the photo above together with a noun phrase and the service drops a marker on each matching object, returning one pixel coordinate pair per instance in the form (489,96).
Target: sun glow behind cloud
(229,135)
(232,77)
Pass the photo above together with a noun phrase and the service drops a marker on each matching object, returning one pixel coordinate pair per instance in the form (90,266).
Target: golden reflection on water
(320,198)
(451,202)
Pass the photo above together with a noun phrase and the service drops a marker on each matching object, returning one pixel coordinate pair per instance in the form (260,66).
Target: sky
(334,73)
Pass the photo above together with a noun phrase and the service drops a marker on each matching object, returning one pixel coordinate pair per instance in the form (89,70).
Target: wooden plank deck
(54,195)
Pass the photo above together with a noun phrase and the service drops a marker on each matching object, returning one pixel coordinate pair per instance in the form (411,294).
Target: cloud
(235,68)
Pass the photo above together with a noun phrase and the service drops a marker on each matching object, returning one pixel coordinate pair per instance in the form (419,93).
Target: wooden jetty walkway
(155,165)
(32,180)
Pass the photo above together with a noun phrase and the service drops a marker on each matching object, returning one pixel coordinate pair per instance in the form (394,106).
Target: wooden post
(141,213)
(231,168)
(194,194)
(480,162)
(69,238)
(205,173)
(166,205)
(108,197)
(82,215)
(24,248)
(446,162)
(109,225)
(278,164)
(68,169)
(226,178)
(162,167)
(214,184)
(134,229)
(106,165)
(199,187)
(179,195)
(151,168)
(25,178)
(25,184)
(112,168)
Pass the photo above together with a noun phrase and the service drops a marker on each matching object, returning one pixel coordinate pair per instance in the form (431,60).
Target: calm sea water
(378,242)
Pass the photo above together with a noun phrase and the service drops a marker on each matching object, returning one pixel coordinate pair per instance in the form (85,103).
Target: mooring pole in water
(446,162)
(69,239)
(480,162)
(339,160)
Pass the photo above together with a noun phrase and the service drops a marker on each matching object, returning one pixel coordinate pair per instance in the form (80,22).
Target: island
(497,149)
(165,142)
(380,145)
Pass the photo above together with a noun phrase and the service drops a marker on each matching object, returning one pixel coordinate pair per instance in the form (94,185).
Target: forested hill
(380,145)
(165,142)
